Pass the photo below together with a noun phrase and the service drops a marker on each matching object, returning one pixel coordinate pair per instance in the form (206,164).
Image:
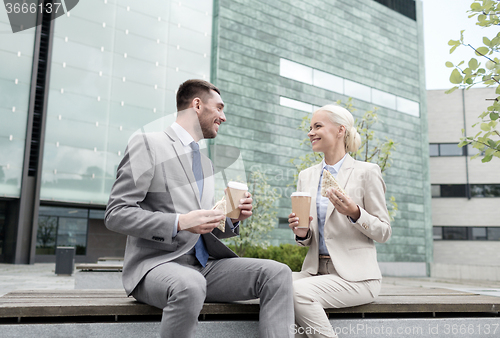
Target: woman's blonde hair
(343,117)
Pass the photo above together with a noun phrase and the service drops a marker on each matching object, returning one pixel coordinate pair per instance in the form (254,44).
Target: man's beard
(207,127)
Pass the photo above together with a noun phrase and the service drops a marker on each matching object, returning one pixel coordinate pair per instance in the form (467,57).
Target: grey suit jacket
(350,246)
(154,183)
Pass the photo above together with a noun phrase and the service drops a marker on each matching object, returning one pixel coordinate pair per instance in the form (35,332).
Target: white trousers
(314,293)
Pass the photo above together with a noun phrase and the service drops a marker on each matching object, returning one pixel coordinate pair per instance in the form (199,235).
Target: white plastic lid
(298,193)
(237,185)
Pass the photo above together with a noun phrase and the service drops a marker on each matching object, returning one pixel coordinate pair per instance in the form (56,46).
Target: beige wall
(464,212)
(446,112)
(467,252)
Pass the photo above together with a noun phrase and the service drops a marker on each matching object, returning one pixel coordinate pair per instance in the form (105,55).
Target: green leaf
(475,6)
(453,48)
(456,77)
(451,90)
(482,51)
(453,42)
(487,158)
(449,64)
(473,64)
(486,41)
(492,144)
(494,116)
(485,126)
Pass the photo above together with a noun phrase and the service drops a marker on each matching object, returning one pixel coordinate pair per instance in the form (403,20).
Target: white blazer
(350,244)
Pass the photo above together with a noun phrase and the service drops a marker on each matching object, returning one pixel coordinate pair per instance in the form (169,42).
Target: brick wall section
(359,40)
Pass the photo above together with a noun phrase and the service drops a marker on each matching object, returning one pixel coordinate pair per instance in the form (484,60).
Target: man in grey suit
(174,260)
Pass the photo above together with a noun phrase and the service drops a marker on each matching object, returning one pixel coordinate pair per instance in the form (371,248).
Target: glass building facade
(114,67)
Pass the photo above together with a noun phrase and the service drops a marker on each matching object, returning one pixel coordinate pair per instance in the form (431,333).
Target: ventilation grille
(405,7)
(36,131)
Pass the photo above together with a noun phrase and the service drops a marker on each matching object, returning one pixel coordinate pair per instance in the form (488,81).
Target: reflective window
(485,190)
(478,233)
(328,81)
(450,149)
(115,68)
(407,106)
(433,149)
(16,53)
(299,105)
(64,226)
(455,233)
(383,99)
(357,90)
(453,190)
(437,233)
(435,190)
(494,234)
(296,71)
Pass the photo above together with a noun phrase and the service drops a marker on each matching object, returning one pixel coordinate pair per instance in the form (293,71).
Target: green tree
(483,70)
(372,149)
(254,230)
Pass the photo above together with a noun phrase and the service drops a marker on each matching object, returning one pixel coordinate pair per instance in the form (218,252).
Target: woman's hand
(343,204)
(293,223)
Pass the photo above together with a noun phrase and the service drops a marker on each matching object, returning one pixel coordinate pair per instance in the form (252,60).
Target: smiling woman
(333,274)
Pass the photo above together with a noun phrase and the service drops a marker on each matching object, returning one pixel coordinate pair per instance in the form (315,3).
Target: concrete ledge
(403,269)
(467,272)
(345,328)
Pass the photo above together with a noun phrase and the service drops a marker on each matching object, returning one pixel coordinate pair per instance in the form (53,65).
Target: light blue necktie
(200,250)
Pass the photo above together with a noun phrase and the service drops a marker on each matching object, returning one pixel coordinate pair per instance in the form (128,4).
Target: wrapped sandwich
(330,182)
(221,205)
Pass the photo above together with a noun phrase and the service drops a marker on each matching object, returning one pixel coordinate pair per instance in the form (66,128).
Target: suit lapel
(342,178)
(313,190)
(182,156)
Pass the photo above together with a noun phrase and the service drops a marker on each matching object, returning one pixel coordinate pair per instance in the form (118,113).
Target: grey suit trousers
(180,288)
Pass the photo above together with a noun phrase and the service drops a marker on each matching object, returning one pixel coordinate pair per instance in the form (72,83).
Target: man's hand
(293,223)
(245,207)
(200,221)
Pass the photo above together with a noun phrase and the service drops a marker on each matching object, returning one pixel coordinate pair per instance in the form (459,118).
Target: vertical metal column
(35,134)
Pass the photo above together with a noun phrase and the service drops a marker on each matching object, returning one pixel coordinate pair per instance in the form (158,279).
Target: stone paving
(42,276)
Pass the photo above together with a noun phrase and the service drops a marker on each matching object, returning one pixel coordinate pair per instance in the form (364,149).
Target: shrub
(289,254)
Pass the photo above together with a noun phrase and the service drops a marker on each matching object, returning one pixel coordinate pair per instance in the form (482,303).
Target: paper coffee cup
(301,206)
(234,193)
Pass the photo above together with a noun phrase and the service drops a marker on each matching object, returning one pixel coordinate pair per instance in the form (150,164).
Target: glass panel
(296,71)
(433,149)
(453,190)
(96,214)
(16,53)
(63,212)
(408,106)
(73,232)
(492,190)
(46,235)
(455,233)
(357,90)
(436,190)
(118,71)
(478,234)
(471,151)
(477,190)
(328,81)
(450,149)
(383,99)
(283,223)
(493,234)
(437,233)
(296,104)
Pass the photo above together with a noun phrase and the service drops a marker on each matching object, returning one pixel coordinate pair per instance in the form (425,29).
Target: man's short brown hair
(191,89)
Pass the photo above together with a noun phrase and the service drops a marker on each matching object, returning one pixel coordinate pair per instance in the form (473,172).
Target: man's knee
(195,287)
(279,272)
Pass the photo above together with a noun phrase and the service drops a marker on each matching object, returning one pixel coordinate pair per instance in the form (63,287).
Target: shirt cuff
(231,224)
(174,231)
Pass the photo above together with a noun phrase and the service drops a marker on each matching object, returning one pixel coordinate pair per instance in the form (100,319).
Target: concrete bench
(109,313)
(103,275)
